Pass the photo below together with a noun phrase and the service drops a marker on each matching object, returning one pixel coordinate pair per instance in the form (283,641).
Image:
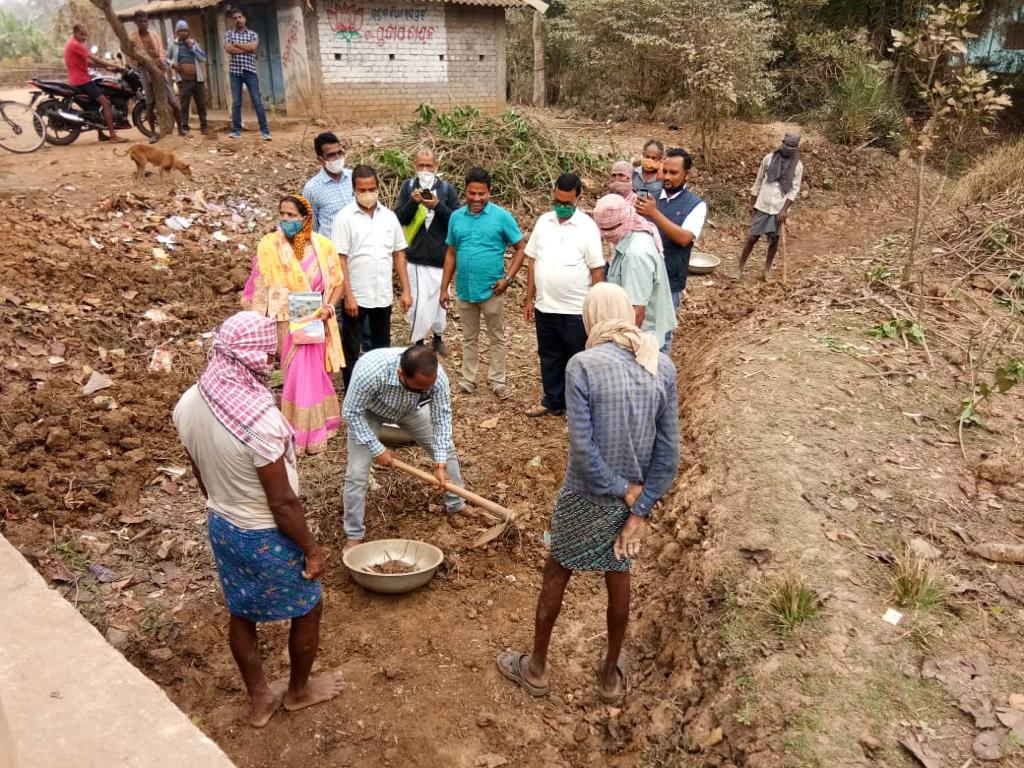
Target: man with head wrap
(776,187)
(637,263)
(623,455)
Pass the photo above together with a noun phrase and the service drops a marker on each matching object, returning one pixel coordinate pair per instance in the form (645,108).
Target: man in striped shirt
(404,387)
(241,43)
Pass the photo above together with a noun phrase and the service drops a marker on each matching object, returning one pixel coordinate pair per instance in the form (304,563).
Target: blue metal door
(263,21)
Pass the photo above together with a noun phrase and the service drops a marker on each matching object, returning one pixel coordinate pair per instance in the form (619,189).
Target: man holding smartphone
(425,203)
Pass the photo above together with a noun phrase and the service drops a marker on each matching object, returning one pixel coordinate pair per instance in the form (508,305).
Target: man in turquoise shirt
(478,236)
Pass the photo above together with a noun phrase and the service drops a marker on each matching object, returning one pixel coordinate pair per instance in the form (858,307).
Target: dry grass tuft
(1001,170)
(915,582)
(793,602)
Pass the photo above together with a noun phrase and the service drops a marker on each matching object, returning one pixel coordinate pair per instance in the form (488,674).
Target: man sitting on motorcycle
(77,59)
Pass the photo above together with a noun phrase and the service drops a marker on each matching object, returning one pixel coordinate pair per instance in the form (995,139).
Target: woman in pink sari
(290,260)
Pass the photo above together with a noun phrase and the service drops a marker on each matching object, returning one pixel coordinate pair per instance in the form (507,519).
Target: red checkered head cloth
(616,218)
(234,385)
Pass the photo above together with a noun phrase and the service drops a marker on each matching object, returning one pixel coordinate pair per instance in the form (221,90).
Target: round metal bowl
(703,263)
(424,559)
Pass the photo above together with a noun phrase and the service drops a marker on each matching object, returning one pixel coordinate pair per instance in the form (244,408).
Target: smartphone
(426,194)
(643,193)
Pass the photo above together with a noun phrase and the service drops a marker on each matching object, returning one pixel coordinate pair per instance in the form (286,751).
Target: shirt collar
(666,196)
(325,177)
(486,208)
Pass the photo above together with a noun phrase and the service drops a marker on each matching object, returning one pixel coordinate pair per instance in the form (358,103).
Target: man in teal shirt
(478,236)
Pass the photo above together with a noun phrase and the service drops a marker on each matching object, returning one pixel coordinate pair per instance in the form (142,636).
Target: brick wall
(386,58)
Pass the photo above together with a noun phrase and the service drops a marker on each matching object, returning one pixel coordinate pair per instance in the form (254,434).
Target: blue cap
(182,24)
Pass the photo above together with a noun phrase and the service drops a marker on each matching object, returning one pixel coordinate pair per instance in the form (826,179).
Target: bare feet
(265,705)
(317,690)
(351,544)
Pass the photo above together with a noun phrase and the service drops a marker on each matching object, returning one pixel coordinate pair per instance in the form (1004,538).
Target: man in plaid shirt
(403,387)
(241,44)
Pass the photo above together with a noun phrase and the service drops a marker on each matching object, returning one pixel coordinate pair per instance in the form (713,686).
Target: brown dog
(166,161)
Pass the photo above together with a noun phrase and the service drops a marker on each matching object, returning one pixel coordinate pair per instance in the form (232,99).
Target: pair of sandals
(510,664)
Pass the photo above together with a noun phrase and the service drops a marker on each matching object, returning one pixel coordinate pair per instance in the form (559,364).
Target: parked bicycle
(21,128)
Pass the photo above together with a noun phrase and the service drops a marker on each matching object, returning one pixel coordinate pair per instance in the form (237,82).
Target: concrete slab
(68,698)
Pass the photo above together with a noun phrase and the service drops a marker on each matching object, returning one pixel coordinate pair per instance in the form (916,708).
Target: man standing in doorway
(679,215)
(149,41)
(564,259)
(478,236)
(425,204)
(187,58)
(330,189)
(776,187)
(77,59)
(241,44)
(370,242)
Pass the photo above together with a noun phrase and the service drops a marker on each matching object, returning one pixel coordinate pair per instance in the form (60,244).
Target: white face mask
(426,179)
(335,166)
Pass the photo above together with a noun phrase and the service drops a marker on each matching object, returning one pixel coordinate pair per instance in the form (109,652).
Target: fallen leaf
(713,738)
(490,760)
(1011,718)
(849,503)
(37,306)
(999,553)
(924,754)
(96,382)
(882,494)
(156,315)
(1017,701)
(489,423)
(980,709)
(924,550)
(989,745)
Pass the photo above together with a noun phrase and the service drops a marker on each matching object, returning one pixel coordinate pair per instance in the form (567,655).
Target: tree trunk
(539,62)
(154,70)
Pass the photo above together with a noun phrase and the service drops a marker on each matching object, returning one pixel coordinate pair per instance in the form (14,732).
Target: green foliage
(915,583)
(896,328)
(863,109)
(1005,377)
(793,602)
(523,158)
(879,273)
(21,39)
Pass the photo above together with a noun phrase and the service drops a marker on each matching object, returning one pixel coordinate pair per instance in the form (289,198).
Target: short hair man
(679,214)
(241,44)
(623,456)
(330,189)
(563,259)
(776,187)
(404,387)
(145,39)
(425,204)
(478,236)
(186,58)
(370,242)
(77,60)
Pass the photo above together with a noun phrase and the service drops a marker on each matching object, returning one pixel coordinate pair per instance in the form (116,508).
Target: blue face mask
(290,227)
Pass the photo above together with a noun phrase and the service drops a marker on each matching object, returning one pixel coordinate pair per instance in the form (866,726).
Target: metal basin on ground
(703,263)
(423,559)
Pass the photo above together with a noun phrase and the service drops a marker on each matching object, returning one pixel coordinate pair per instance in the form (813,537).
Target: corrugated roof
(166,6)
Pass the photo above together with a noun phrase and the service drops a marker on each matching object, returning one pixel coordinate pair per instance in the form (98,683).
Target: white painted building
(346,58)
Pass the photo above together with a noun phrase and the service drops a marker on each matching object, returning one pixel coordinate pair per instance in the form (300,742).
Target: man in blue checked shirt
(241,44)
(404,387)
(622,410)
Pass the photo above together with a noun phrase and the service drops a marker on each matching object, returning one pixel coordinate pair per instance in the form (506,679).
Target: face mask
(366,199)
(650,165)
(622,188)
(290,227)
(563,210)
(335,166)
(426,179)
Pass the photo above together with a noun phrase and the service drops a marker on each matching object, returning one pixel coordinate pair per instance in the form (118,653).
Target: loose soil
(808,448)
(393,568)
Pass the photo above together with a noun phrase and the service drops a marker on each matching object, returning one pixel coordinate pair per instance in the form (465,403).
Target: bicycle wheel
(21,129)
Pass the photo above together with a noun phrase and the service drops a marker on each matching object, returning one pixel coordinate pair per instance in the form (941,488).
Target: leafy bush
(863,109)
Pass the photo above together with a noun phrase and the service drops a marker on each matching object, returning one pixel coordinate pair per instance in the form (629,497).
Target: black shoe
(440,348)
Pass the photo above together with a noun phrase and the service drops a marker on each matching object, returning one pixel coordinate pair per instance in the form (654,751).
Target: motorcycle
(66,113)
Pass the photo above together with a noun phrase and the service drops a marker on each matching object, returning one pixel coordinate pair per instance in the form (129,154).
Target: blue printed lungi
(261,572)
(583,534)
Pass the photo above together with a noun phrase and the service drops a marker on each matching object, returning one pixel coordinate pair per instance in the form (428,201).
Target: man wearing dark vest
(679,214)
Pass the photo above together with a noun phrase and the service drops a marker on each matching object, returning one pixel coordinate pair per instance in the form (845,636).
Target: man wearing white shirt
(776,187)
(370,242)
(564,259)
(679,214)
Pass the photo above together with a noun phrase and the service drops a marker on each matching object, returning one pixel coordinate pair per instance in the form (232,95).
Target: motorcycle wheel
(57,131)
(139,119)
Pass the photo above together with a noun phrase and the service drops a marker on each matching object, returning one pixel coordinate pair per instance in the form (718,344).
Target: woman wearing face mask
(289,260)
(647,175)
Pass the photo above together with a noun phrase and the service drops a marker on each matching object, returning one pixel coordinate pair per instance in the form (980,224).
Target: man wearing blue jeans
(403,387)
(241,44)
(679,215)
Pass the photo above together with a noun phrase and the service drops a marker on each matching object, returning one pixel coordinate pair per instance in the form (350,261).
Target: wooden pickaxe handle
(503,514)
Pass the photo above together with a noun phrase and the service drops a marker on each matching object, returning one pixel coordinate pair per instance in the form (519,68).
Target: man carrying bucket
(404,387)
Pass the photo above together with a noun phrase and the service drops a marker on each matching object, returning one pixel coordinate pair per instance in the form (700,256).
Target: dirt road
(794,459)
